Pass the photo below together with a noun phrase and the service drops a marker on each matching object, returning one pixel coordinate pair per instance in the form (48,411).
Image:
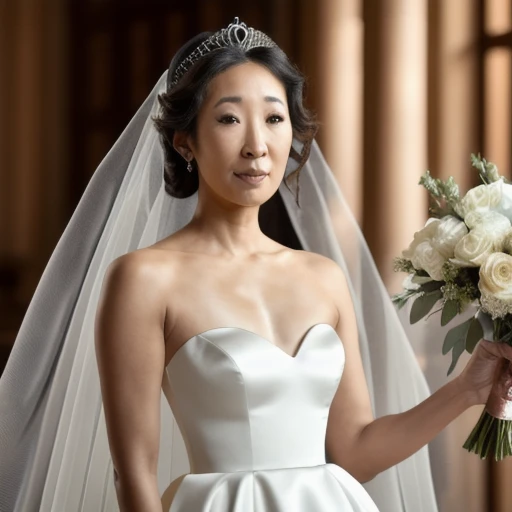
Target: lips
(252,177)
(252,172)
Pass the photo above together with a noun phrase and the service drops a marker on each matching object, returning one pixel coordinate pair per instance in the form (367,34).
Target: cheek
(284,145)
(218,140)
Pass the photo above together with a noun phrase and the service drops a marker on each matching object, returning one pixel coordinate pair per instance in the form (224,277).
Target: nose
(254,145)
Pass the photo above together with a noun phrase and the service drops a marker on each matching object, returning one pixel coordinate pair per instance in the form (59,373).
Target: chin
(254,197)
(252,202)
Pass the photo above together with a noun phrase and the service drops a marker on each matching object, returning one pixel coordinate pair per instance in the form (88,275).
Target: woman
(248,339)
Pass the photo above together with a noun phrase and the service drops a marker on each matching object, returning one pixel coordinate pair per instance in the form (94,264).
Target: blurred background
(399,86)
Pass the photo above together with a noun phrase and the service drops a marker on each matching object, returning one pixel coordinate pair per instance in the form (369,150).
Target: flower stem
(490,435)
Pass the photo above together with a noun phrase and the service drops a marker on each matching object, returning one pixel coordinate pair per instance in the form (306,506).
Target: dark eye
(275,119)
(227,119)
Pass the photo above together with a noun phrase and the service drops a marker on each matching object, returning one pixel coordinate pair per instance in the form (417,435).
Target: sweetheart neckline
(301,343)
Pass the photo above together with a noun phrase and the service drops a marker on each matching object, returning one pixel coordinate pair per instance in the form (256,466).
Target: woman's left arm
(405,433)
(365,446)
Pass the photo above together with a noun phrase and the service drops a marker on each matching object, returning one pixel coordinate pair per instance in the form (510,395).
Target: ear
(181,145)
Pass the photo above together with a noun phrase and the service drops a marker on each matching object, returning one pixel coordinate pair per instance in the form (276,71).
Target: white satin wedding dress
(254,419)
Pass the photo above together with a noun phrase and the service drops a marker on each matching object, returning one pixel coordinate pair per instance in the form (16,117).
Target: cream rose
(450,231)
(429,259)
(496,277)
(483,197)
(421,252)
(427,233)
(474,248)
(505,206)
(492,220)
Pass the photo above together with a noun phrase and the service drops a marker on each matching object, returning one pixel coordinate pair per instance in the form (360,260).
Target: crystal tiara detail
(236,34)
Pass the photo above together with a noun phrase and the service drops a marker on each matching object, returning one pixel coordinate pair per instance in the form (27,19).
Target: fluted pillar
(395,137)
(34,145)
(453,89)
(453,124)
(460,477)
(340,56)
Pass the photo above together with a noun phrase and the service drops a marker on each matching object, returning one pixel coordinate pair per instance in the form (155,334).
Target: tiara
(236,34)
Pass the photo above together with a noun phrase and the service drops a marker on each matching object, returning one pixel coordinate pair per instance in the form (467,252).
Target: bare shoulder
(135,268)
(150,264)
(330,276)
(325,269)
(137,280)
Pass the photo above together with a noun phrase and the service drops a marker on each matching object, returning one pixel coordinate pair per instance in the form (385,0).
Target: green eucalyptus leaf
(474,335)
(450,311)
(422,305)
(455,335)
(431,286)
(457,351)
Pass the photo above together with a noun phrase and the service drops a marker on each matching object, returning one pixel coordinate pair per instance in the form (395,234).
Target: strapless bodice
(244,404)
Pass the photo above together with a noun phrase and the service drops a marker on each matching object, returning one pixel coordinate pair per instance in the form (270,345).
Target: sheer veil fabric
(54,453)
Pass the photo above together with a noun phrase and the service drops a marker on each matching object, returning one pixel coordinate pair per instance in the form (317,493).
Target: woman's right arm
(130,351)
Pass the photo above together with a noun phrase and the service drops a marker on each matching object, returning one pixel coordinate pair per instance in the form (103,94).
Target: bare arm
(391,439)
(130,352)
(365,446)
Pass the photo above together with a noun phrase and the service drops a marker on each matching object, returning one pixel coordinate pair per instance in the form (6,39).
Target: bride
(275,362)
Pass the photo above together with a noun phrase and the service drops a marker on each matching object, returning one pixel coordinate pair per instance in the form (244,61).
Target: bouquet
(463,257)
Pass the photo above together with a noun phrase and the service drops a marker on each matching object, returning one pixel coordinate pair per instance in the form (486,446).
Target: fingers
(489,349)
(497,349)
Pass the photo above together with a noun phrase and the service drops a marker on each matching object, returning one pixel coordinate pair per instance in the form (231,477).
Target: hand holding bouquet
(463,256)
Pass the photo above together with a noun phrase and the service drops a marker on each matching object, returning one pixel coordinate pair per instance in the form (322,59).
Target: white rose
(496,277)
(473,249)
(483,197)
(505,205)
(449,232)
(492,220)
(427,233)
(429,259)
(495,226)
(423,254)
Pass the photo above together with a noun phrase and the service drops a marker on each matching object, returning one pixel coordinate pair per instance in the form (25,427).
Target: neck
(228,228)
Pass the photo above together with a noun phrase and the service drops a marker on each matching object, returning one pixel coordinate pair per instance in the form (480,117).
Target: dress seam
(245,389)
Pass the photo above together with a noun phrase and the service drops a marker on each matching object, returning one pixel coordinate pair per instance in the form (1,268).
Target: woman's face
(244,135)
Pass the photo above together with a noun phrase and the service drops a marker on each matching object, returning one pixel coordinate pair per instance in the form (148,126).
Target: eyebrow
(238,99)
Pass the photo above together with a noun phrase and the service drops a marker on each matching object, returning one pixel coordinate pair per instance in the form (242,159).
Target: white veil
(54,453)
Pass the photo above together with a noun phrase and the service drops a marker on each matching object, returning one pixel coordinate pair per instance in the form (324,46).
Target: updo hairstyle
(180,105)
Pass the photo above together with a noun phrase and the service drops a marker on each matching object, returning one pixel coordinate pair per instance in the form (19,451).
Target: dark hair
(180,105)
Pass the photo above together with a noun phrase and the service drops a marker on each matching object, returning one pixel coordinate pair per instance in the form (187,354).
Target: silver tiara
(236,34)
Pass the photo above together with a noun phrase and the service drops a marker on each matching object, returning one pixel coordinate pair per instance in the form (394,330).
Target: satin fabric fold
(323,488)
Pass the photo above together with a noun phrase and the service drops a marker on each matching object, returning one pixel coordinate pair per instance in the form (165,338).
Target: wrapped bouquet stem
(461,258)
(493,431)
